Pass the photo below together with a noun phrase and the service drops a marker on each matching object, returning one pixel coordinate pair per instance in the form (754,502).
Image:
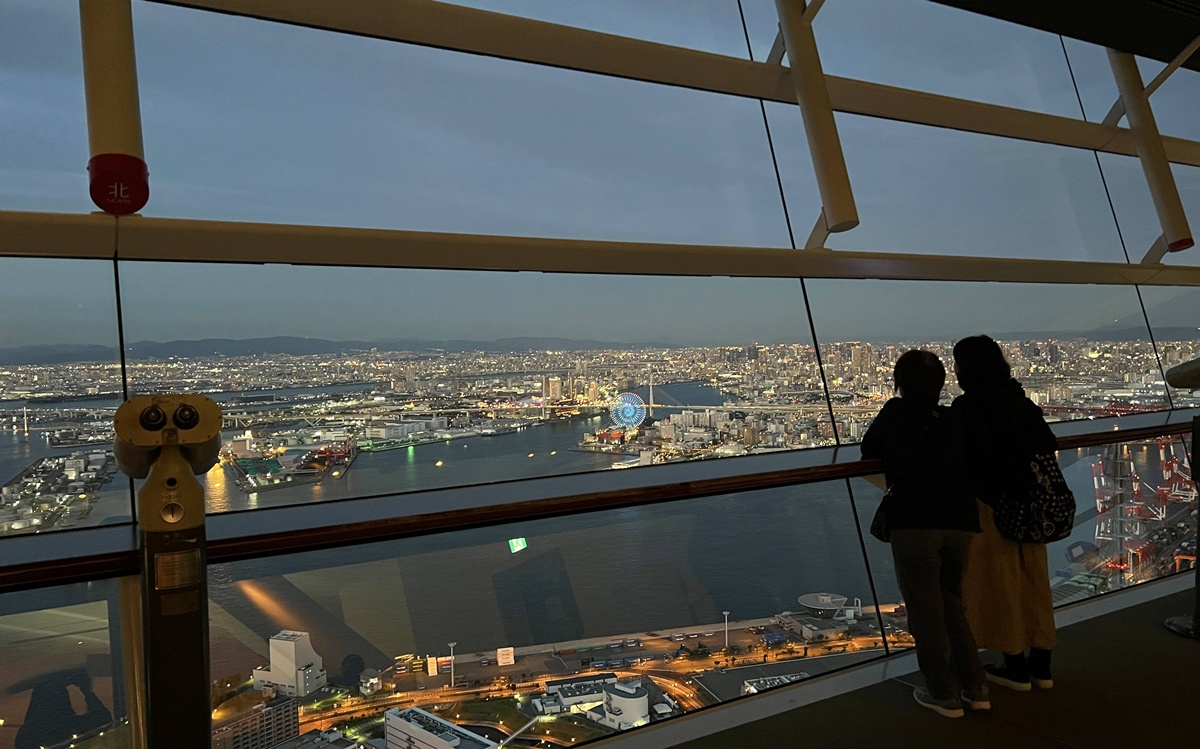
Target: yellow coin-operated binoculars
(168,440)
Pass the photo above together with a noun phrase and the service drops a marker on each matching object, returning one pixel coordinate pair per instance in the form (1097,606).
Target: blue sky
(253,121)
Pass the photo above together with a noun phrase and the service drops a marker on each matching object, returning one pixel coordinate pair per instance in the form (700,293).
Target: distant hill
(295,345)
(1104,335)
(56,354)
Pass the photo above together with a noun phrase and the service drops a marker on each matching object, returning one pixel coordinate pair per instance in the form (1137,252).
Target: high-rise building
(296,670)
(554,389)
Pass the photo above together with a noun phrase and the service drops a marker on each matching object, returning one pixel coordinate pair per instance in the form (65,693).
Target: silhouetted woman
(1007,588)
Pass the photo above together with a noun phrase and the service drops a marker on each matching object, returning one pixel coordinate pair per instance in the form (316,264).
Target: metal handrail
(116,564)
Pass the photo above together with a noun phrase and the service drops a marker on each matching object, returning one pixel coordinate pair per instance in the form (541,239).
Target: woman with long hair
(1007,587)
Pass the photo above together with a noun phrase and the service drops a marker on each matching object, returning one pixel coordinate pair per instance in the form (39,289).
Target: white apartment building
(296,670)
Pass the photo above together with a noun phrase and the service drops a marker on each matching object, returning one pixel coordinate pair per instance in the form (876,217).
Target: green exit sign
(516,544)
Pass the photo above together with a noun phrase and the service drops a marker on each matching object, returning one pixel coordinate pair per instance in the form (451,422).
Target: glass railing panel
(60,384)
(254,121)
(942,50)
(704,25)
(638,593)
(1079,351)
(1135,519)
(935,191)
(893,616)
(62,674)
(420,379)
(43,133)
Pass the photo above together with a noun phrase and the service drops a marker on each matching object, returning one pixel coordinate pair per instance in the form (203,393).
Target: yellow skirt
(1006,592)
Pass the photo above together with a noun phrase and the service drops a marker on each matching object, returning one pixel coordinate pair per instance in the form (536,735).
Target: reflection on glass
(60,384)
(705,25)
(1079,351)
(61,677)
(43,135)
(247,120)
(419,379)
(635,595)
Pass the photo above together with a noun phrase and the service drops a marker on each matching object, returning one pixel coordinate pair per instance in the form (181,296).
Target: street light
(452,644)
(726,613)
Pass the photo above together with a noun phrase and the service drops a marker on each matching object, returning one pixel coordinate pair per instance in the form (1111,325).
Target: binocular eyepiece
(145,424)
(153,418)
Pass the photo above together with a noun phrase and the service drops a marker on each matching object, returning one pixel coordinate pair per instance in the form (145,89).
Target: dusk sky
(253,121)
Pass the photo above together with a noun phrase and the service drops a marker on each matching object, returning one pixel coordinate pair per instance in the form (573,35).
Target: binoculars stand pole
(174,605)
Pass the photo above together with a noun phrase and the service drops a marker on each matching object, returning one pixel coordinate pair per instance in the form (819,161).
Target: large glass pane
(249,120)
(1080,351)
(705,25)
(945,192)
(43,131)
(1175,317)
(1094,77)
(1135,209)
(635,595)
(61,668)
(1176,104)
(359,381)
(60,384)
(930,47)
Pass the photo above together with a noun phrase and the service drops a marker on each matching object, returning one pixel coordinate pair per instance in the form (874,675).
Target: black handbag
(881,524)
(1040,512)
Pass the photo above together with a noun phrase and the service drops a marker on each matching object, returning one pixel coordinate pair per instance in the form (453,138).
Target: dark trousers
(930,565)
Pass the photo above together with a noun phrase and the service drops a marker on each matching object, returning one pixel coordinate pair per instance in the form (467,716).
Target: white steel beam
(140,238)
(1118,108)
(838,211)
(117,168)
(446,26)
(86,235)
(775,56)
(1176,234)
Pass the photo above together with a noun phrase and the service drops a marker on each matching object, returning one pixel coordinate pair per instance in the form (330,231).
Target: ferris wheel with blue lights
(628,411)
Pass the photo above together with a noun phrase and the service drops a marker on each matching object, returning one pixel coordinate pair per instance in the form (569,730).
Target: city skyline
(346,134)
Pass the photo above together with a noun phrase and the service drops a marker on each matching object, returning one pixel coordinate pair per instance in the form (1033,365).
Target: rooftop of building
(441,728)
(589,678)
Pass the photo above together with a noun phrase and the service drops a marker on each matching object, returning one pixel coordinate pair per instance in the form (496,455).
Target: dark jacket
(1003,430)
(922,451)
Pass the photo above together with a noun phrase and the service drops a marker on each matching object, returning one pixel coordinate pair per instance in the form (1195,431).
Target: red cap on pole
(118,183)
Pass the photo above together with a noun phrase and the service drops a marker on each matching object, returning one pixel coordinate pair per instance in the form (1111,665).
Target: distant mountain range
(66,353)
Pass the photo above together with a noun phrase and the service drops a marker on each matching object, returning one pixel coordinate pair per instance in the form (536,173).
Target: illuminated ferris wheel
(628,410)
